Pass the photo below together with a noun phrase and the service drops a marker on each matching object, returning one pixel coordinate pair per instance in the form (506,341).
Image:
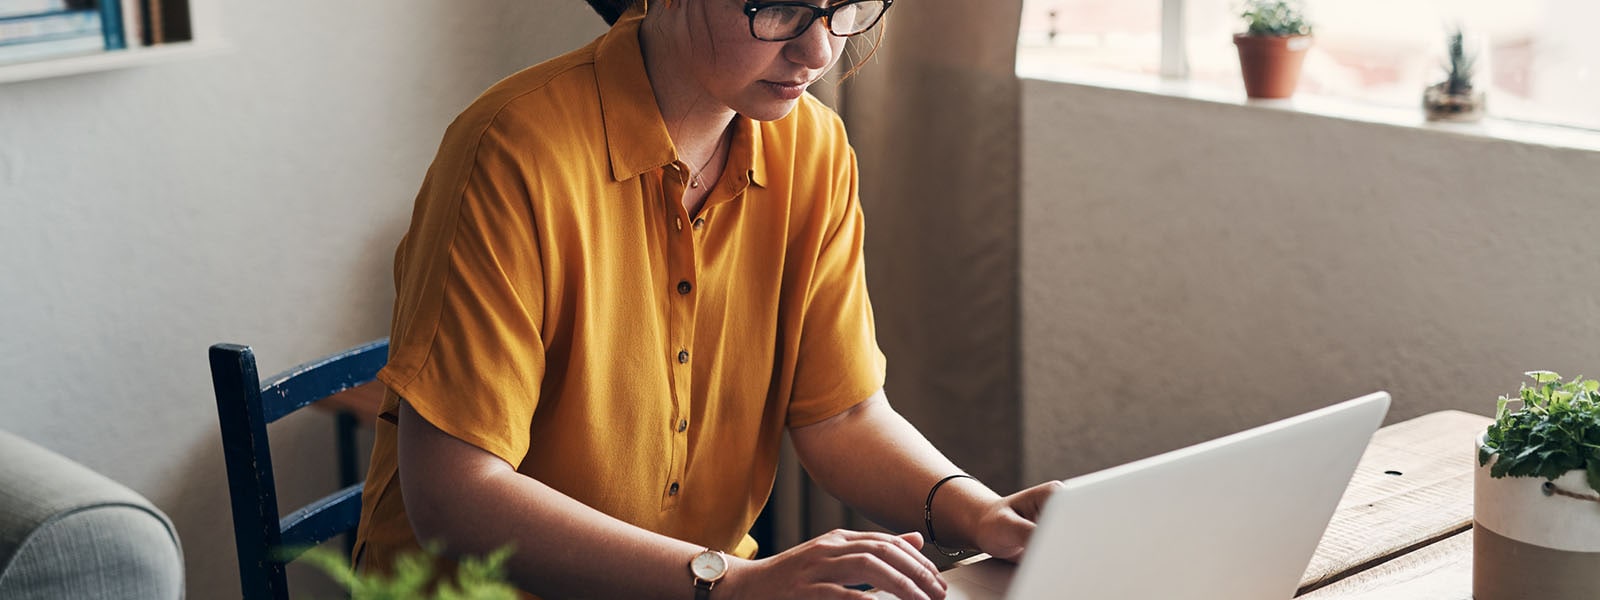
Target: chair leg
(348,474)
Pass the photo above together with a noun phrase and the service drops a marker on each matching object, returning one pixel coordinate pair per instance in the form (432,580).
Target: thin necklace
(694,182)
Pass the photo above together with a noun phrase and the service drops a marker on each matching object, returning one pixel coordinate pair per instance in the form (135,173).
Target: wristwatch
(707,567)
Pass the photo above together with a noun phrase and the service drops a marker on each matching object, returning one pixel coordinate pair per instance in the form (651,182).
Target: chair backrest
(245,406)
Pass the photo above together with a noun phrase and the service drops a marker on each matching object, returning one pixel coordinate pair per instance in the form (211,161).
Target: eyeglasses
(784,21)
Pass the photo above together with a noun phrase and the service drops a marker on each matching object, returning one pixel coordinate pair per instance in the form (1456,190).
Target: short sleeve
(839,363)
(465,350)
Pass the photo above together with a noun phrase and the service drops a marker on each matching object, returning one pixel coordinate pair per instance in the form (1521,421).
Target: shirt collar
(636,135)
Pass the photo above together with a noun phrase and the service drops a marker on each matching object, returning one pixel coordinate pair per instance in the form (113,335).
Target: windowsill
(1334,108)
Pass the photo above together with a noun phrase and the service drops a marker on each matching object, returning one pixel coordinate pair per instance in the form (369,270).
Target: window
(1108,35)
(1535,59)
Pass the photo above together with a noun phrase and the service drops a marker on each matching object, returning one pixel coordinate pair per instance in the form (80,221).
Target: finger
(1013,543)
(1010,537)
(914,538)
(906,561)
(830,591)
(868,568)
(903,542)
(1030,502)
(911,542)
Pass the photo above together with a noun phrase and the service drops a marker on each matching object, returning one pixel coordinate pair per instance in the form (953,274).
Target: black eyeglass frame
(751,8)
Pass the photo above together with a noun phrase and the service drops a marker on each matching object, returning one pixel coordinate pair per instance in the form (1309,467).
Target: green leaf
(1594,473)
(1274,18)
(1543,376)
(1500,468)
(477,578)
(1554,430)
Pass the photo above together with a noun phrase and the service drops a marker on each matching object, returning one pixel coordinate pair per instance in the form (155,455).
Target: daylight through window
(1534,59)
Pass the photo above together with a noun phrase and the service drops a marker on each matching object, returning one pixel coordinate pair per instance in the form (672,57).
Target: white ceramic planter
(1531,545)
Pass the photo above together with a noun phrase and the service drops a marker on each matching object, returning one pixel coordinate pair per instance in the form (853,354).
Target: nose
(816,49)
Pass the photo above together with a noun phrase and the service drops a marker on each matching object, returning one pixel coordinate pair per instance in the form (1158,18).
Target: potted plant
(1536,494)
(1454,99)
(1272,47)
(413,577)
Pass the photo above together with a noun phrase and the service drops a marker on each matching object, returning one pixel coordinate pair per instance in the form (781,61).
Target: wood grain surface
(1412,489)
(1438,571)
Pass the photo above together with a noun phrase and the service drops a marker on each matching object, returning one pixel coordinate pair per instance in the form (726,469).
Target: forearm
(874,460)
(563,548)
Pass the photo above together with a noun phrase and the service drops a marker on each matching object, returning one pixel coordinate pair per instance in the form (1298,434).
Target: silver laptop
(1235,518)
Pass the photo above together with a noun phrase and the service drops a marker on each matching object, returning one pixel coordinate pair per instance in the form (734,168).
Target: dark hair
(611,10)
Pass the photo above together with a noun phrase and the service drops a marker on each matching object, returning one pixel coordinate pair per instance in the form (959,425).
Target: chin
(769,111)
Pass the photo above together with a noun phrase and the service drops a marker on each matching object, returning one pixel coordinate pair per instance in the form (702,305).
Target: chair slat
(303,384)
(319,522)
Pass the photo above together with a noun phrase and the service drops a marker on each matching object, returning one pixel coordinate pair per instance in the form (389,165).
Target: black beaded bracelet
(927,513)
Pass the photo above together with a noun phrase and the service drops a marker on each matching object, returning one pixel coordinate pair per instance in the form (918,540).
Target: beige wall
(1190,269)
(255,196)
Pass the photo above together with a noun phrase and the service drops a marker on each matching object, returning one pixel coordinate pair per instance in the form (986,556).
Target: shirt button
(682,425)
(683,356)
(684,288)
(698,223)
(672,490)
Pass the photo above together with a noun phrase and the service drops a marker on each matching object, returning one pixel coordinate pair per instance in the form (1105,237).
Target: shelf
(105,61)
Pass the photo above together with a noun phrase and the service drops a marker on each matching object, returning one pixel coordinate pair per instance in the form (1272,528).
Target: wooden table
(1403,529)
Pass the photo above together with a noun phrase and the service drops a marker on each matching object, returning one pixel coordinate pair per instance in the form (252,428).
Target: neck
(695,121)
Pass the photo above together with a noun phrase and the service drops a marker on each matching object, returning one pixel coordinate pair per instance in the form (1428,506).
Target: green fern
(476,578)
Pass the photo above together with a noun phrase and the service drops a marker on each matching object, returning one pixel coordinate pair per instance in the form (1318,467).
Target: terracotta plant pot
(1271,64)
(1528,542)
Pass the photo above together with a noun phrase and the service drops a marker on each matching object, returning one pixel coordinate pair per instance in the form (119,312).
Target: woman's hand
(822,567)
(1005,525)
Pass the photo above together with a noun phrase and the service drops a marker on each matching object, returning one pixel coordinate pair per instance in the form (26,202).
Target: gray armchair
(68,532)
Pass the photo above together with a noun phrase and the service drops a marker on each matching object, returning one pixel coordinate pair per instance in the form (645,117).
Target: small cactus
(1461,65)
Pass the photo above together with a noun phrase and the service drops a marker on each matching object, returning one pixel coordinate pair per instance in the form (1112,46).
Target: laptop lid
(1234,518)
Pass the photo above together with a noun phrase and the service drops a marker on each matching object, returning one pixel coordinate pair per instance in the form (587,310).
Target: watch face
(709,565)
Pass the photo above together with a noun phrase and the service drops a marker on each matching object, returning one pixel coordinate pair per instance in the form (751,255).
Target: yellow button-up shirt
(559,308)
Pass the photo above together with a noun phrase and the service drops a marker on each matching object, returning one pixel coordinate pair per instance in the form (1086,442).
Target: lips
(788,90)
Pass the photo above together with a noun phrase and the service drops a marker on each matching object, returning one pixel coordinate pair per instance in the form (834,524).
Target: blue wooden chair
(245,406)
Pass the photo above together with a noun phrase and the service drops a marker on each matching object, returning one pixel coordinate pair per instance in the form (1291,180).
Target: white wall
(1190,269)
(255,197)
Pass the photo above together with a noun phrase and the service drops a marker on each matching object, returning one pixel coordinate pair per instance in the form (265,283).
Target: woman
(629,271)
